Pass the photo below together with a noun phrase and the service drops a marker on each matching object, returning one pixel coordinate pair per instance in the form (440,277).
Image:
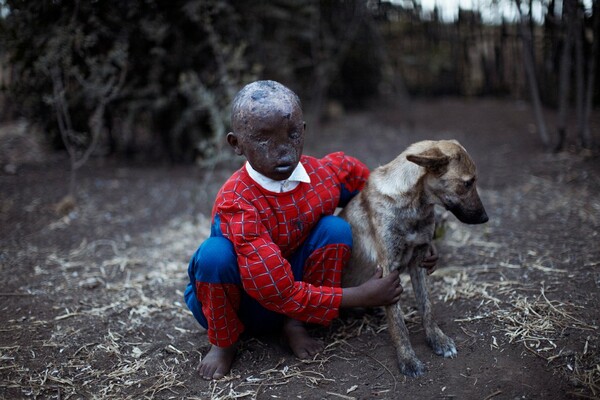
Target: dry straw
(99,348)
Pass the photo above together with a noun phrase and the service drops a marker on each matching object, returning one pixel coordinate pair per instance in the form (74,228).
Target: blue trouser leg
(215,261)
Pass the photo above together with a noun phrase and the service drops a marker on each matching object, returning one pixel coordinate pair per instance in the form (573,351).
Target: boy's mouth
(284,169)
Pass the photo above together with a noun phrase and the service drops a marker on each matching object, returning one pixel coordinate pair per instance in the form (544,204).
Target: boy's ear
(431,158)
(234,142)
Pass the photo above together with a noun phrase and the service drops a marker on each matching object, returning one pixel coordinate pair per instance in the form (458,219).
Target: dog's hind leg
(440,343)
(408,362)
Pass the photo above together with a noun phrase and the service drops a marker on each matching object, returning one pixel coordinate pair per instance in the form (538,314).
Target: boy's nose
(285,158)
(284,150)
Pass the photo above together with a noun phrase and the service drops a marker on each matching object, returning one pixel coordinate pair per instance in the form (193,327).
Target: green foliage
(179,77)
(161,74)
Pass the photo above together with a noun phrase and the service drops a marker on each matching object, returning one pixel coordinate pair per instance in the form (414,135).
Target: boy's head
(268,128)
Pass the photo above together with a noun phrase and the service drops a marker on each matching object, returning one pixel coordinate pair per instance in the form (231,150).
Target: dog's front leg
(440,343)
(407,359)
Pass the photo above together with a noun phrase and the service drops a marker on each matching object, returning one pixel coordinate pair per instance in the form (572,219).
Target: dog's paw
(443,346)
(412,367)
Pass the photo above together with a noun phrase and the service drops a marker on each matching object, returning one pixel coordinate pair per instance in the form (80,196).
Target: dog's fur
(393,223)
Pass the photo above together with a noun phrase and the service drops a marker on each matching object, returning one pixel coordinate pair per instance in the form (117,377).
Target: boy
(276,252)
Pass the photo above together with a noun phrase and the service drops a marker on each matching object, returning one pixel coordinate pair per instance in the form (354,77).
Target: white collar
(298,175)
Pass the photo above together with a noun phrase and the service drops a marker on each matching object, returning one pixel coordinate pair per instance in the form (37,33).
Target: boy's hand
(377,291)
(382,291)
(430,260)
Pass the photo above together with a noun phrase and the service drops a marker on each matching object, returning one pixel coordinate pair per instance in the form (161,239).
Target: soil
(91,296)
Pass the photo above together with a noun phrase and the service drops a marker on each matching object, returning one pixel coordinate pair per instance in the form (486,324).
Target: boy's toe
(218,375)
(302,354)
(207,373)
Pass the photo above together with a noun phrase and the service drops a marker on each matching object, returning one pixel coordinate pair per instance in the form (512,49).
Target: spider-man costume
(273,254)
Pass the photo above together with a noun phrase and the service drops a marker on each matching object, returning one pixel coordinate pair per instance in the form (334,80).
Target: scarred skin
(269,132)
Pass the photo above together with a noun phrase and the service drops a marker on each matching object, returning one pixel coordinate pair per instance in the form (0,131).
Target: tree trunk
(550,37)
(586,137)
(564,83)
(531,77)
(579,70)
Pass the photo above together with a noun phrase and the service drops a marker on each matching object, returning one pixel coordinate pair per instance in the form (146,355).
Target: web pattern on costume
(266,228)
(220,302)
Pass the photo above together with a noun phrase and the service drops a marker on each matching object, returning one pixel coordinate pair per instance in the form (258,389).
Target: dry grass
(100,348)
(536,322)
(525,310)
(119,290)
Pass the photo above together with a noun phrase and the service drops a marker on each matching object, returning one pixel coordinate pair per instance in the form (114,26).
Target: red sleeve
(266,275)
(351,172)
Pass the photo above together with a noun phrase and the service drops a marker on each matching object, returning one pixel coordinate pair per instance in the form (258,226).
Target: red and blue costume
(273,254)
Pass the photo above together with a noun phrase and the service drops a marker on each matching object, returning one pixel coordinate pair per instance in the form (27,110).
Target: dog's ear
(432,159)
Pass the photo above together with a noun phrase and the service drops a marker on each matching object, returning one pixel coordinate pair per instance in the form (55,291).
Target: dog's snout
(469,216)
(468,210)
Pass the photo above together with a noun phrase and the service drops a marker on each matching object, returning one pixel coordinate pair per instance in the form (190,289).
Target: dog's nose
(472,216)
(484,217)
(475,219)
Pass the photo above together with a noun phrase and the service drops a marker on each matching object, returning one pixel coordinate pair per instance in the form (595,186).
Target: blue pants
(215,261)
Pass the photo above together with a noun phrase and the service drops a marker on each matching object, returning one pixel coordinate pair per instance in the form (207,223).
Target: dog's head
(450,178)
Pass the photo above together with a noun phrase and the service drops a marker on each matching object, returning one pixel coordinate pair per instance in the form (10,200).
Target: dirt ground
(91,297)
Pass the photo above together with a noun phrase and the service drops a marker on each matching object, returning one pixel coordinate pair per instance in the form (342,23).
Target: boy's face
(271,138)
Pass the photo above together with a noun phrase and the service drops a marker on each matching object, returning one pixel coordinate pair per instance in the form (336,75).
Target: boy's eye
(262,140)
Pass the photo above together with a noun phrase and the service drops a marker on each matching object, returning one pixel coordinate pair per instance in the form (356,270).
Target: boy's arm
(267,276)
(351,173)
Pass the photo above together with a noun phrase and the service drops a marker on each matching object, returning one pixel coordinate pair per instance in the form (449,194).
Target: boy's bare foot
(297,337)
(217,363)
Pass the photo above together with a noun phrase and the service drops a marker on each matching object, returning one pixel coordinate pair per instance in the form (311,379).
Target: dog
(393,223)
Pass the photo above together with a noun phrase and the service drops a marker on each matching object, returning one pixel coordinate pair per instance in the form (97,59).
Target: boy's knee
(215,261)
(336,230)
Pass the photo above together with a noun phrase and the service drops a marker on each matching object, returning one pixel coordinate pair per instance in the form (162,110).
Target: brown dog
(393,222)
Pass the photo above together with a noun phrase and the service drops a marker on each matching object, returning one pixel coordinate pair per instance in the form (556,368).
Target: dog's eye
(469,184)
